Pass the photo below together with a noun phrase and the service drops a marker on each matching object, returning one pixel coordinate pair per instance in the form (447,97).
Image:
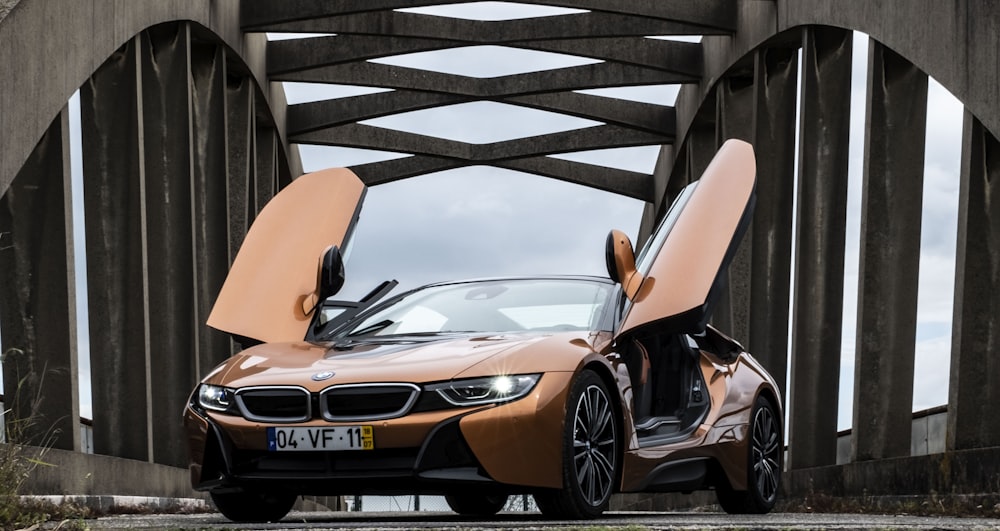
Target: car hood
(403,359)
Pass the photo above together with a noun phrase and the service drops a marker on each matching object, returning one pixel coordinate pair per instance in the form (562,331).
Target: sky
(482,221)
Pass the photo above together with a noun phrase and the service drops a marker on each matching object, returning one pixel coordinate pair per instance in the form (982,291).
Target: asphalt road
(633,521)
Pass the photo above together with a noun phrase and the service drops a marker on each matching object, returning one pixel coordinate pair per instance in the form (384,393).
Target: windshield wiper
(350,310)
(371,329)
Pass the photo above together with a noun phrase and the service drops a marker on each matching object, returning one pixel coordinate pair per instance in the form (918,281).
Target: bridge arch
(182,142)
(739,82)
(748,91)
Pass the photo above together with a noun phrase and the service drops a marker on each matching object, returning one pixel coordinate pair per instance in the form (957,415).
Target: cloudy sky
(482,221)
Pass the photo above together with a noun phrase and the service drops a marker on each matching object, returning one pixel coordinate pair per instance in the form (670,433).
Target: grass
(22,452)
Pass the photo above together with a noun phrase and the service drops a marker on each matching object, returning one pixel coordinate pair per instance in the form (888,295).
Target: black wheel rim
(766,453)
(594,451)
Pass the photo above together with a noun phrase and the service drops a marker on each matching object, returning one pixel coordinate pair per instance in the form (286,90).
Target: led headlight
(492,389)
(215,397)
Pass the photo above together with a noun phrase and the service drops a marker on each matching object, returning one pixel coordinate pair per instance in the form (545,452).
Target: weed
(22,451)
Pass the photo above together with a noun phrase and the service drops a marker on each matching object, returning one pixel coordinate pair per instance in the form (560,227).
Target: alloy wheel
(766,454)
(594,450)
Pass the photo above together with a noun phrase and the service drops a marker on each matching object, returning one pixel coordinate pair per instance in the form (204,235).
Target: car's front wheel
(591,453)
(475,505)
(763,465)
(253,506)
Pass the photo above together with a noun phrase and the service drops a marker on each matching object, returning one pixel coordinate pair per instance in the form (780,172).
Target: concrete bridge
(186,134)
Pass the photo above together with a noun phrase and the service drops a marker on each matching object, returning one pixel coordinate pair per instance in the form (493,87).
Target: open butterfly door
(273,284)
(681,271)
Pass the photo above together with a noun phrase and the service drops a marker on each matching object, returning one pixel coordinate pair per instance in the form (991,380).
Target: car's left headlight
(488,390)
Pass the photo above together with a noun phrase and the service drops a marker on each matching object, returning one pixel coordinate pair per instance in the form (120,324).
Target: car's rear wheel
(476,505)
(591,453)
(253,506)
(763,465)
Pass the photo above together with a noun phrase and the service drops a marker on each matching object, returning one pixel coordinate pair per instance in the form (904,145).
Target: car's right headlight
(216,398)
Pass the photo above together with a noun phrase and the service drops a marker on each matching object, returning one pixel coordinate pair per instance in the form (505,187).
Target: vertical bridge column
(770,235)
(210,170)
(38,297)
(819,253)
(115,205)
(734,119)
(890,256)
(974,390)
(240,166)
(166,113)
(653,209)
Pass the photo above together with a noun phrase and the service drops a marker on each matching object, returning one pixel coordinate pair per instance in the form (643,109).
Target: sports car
(568,388)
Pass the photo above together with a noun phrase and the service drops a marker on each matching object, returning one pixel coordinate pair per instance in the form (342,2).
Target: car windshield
(489,306)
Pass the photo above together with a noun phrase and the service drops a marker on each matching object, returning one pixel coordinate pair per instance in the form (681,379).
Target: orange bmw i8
(565,387)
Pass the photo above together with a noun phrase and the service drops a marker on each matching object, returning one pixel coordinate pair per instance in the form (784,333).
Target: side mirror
(620,260)
(331,273)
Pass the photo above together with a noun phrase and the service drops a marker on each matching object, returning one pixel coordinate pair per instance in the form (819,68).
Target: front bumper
(508,447)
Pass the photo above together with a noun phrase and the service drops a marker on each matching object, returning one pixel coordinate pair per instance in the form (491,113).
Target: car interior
(669,394)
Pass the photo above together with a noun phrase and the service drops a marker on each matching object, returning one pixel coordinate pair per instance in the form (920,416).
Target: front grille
(274,404)
(367,401)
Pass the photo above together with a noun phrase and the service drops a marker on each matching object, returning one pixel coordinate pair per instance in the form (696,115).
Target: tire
(476,505)
(591,453)
(764,461)
(253,506)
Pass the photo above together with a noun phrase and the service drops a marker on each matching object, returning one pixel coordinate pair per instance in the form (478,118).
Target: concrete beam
(38,298)
(734,119)
(114,200)
(210,168)
(307,117)
(709,13)
(775,81)
(375,173)
(240,159)
(265,166)
(892,194)
(598,75)
(819,258)
(165,54)
(728,55)
(657,119)
(46,54)
(293,55)
(101,475)
(712,14)
(683,58)
(946,473)
(651,212)
(627,183)
(956,42)
(699,148)
(975,369)
(371,137)
(402,24)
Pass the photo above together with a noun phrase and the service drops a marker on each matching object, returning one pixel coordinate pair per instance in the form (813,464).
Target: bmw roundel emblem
(320,376)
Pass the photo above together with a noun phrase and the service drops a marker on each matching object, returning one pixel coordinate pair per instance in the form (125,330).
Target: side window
(652,247)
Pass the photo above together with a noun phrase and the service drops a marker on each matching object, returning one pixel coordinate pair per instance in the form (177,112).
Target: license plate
(320,438)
